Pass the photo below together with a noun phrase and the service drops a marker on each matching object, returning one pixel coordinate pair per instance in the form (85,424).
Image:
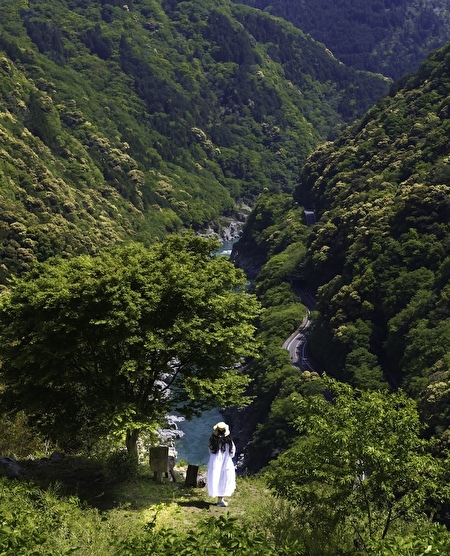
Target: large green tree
(94,345)
(360,465)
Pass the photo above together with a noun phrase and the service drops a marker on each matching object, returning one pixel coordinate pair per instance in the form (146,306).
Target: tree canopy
(387,36)
(152,117)
(360,463)
(378,255)
(94,345)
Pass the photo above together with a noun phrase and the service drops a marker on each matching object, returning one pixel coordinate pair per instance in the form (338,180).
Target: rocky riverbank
(228,228)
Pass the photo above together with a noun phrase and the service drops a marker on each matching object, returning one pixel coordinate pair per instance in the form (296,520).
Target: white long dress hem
(221,475)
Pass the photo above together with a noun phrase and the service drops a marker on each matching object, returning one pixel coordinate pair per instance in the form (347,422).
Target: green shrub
(432,540)
(215,535)
(18,440)
(120,465)
(36,522)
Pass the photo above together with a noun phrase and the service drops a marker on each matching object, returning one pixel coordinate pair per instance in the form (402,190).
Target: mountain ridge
(387,36)
(150,117)
(377,259)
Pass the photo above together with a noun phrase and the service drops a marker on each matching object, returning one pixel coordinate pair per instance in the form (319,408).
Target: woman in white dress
(221,476)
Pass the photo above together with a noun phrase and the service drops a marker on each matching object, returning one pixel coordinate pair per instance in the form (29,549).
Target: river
(193,446)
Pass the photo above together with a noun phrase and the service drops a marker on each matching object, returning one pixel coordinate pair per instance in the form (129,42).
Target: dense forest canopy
(139,119)
(380,253)
(104,345)
(387,36)
(129,121)
(377,260)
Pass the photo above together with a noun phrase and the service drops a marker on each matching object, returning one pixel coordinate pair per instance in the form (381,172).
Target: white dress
(221,476)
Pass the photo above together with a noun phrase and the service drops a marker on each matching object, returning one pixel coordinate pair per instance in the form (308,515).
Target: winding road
(296,344)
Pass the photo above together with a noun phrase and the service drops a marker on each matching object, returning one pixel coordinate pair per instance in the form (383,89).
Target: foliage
(108,344)
(212,535)
(274,224)
(38,522)
(379,253)
(121,466)
(278,322)
(271,249)
(135,120)
(360,463)
(277,411)
(378,258)
(139,517)
(18,439)
(390,37)
(432,539)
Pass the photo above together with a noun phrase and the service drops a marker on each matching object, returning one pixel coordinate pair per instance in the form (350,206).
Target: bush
(211,536)
(40,522)
(120,465)
(18,440)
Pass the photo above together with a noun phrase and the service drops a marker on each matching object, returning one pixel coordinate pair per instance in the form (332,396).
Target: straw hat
(221,427)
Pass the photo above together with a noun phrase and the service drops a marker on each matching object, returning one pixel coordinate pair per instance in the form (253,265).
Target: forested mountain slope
(377,261)
(133,120)
(381,251)
(387,36)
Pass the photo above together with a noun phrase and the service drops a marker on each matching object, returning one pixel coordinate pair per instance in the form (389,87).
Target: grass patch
(71,506)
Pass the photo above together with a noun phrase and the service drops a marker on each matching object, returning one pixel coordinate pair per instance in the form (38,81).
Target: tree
(94,345)
(359,464)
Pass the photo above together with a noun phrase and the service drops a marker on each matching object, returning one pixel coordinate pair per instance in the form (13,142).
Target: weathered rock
(57,456)
(243,423)
(10,468)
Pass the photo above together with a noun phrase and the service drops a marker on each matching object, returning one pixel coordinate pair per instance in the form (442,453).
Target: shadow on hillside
(200,504)
(88,480)
(71,475)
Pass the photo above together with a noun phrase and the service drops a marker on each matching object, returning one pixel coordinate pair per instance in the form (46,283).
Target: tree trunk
(131,442)
(388,522)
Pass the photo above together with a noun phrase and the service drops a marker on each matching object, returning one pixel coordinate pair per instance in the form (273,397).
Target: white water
(226,248)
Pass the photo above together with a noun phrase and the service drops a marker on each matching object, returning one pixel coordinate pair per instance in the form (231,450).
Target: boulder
(10,468)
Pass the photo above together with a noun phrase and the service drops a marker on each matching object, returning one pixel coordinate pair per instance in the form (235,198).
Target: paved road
(296,344)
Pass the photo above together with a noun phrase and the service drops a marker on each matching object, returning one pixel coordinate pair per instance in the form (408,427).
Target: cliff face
(246,261)
(243,423)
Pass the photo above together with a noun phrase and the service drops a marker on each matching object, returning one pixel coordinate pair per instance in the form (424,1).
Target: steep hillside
(380,253)
(377,261)
(387,36)
(134,120)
